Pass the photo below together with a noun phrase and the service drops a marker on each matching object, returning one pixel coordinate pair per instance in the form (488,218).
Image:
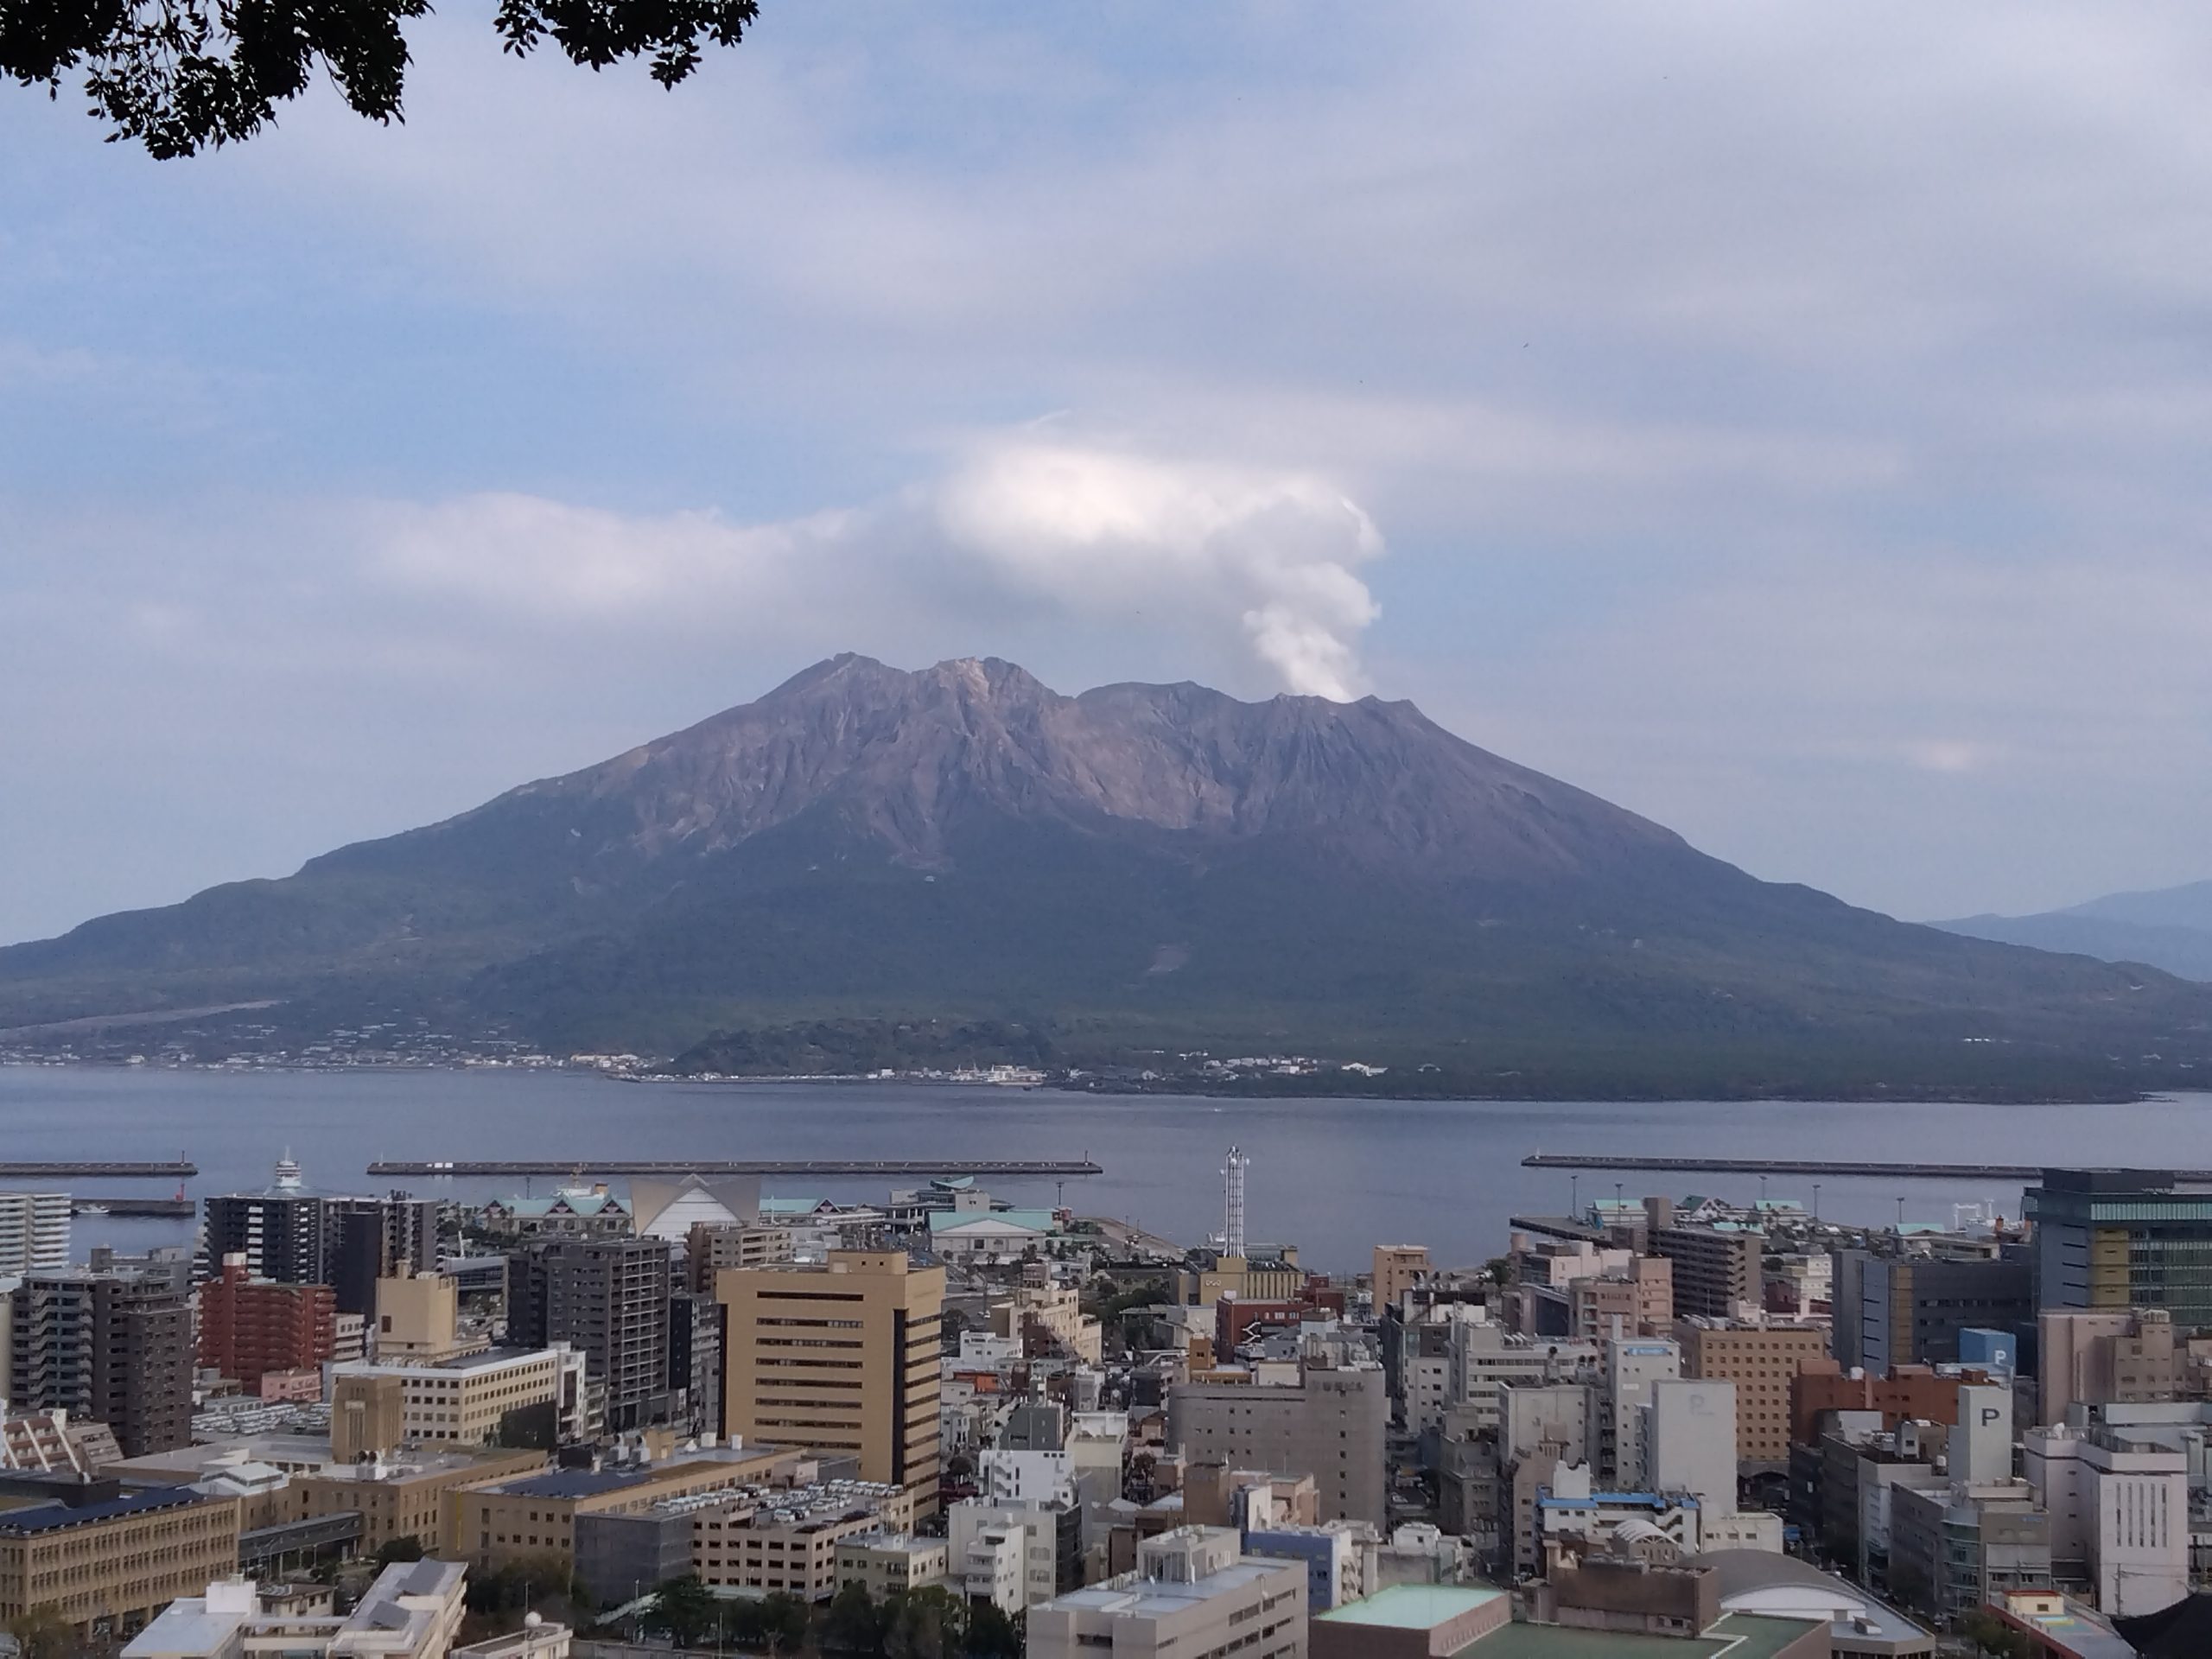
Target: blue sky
(1788,423)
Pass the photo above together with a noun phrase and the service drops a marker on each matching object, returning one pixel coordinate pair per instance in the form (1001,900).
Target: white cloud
(1257,567)
(1277,553)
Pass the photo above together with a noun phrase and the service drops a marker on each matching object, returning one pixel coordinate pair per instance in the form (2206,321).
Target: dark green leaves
(182,75)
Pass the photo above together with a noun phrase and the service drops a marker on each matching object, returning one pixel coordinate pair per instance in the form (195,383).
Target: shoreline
(1254,1087)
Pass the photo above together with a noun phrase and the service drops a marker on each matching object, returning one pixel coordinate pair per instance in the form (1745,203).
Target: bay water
(1333,1177)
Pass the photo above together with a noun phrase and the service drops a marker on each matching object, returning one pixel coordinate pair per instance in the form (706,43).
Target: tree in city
(179,76)
(1992,1635)
(781,1621)
(853,1623)
(41,1632)
(542,1580)
(683,1610)
(928,1624)
(405,1547)
(992,1634)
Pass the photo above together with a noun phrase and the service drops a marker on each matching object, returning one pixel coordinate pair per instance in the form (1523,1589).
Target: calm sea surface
(1333,1177)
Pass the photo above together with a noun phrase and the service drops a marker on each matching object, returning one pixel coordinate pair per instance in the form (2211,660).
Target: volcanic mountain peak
(906,757)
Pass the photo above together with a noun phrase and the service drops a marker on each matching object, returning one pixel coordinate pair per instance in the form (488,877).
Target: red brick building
(1909,1393)
(249,1326)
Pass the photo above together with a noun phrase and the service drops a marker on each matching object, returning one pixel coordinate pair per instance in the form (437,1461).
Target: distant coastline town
(251,1046)
(683,1414)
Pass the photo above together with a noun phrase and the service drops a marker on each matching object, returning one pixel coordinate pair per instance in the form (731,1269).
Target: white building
(885,1563)
(33,1233)
(669,1210)
(1632,1364)
(411,1612)
(990,1567)
(1687,1439)
(1036,1559)
(1574,1506)
(2119,1510)
(1194,1595)
(1025,1477)
(1486,1358)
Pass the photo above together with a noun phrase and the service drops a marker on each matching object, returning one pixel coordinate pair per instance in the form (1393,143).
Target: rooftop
(52,1518)
(574,1482)
(1130,1597)
(1412,1606)
(484,1360)
(1738,1636)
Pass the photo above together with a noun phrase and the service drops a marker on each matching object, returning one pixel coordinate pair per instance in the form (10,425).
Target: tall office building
(608,1297)
(113,1348)
(840,1358)
(2115,1239)
(1762,1361)
(33,1233)
(1330,1425)
(1893,1310)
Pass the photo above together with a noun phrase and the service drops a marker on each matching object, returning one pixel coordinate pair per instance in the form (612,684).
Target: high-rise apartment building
(1716,1268)
(839,1358)
(2115,1239)
(695,1363)
(249,1327)
(371,1239)
(33,1233)
(279,1230)
(114,1347)
(291,1235)
(608,1297)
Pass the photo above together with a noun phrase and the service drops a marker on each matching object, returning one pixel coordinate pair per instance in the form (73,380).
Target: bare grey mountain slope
(1138,866)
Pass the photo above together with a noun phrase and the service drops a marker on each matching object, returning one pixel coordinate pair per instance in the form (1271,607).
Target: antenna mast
(1232,1196)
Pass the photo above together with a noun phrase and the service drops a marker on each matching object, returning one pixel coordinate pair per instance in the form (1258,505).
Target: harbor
(1843,1169)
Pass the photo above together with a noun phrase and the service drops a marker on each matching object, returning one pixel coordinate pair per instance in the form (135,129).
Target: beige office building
(790,1542)
(108,1566)
(1398,1268)
(1054,1310)
(411,1498)
(1195,1595)
(709,1248)
(886,1564)
(461,1401)
(841,1357)
(418,1319)
(492,1525)
(1762,1361)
